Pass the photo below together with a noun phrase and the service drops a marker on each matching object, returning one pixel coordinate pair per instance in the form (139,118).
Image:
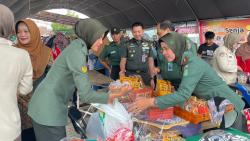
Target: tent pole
(195,15)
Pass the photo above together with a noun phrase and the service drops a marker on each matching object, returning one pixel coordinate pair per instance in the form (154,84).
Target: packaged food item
(117,85)
(172,136)
(196,106)
(167,136)
(163,87)
(157,113)
(242,78)
(122,134)
(195,110)
(145,92)
(134,81)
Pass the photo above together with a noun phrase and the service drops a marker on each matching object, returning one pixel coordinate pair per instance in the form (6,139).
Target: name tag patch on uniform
(170,66)
(84,69)
(144,44)
(113,52)
(132,45)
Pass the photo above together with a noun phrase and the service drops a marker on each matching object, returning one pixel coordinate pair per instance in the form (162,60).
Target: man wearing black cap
(111,52)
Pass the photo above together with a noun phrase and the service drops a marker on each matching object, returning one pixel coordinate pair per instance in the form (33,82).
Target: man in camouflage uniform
(137,55)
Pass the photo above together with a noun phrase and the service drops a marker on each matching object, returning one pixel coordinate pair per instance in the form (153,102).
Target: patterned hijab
(244,50)
(39,53)
(61,41)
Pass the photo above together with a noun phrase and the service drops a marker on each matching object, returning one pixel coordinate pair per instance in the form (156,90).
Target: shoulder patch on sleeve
(84,69)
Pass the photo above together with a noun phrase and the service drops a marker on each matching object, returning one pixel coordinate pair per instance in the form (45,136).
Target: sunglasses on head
(105,34)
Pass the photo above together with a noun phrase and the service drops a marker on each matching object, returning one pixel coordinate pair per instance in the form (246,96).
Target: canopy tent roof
(57,18)
(123,13)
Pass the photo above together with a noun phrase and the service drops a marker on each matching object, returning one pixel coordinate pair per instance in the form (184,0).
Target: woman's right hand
(122,74)
(125,90)
(156,70)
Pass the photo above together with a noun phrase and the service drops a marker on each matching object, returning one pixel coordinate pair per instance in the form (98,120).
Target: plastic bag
(94,128)
(116,117)
(220,135)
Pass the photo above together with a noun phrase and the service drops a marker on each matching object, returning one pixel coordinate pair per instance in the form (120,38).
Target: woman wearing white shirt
(16,78)
(224,60)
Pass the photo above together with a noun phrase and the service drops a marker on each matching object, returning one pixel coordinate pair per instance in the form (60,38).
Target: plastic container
(157,113)
(245,92)
(193,118)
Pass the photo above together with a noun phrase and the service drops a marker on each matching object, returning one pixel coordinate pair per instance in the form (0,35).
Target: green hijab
(89,30)
(180,45)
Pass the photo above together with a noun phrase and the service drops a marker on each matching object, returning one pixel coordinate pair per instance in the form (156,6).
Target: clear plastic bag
(221,135)
(94,128)
(116,117)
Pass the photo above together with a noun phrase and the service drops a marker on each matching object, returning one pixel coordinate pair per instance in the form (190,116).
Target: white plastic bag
(94,128)
(116,117)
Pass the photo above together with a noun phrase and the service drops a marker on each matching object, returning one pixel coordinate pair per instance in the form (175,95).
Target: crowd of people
(50,71)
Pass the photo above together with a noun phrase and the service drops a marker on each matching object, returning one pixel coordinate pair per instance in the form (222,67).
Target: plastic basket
(193,118)
(157,113)
(245,92)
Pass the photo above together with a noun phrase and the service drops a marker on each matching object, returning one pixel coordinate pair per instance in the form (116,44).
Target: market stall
(113,122)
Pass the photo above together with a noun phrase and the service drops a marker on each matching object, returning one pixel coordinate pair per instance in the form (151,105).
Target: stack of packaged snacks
(167,136)
(138,89)
(163,87)
(145,92)
(171,136)
(195,110)
(134,81)
(196,106)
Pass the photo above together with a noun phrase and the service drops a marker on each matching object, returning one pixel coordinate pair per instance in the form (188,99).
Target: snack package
(163,87)
(159,114)
(134,81)
(145,92)
(122,134)
(196,106)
